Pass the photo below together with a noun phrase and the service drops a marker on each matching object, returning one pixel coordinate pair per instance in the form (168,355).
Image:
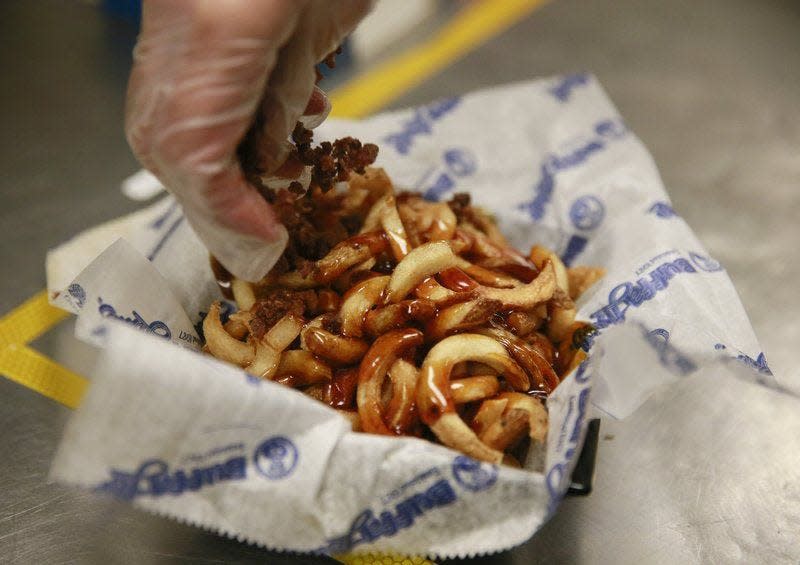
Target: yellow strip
(29,320)
(35,371)
(476,24)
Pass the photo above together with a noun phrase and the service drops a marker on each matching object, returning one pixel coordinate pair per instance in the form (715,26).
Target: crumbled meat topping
(332,162)
(274,306)
(313,230)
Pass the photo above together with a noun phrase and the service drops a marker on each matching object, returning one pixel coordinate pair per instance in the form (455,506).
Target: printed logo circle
(587,212)
(276,458)
(78,294)
(460,162)
(473,475)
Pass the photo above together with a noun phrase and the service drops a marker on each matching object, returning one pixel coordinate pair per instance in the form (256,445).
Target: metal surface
(712,89)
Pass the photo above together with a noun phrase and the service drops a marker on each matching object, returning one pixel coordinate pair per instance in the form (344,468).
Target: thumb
(233,202)
(237,226)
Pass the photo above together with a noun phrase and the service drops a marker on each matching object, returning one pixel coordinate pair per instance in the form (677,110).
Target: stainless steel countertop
(711,87)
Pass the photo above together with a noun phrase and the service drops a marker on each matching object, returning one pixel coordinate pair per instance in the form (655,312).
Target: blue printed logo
(78,294)
(587,212)
(605,132)
(634,294)
(473,475)
(154,478)
(662,210)
(276,458)
(156,327)
(371,525)
(458,163)
(566,84)
(408,503)
(421,123)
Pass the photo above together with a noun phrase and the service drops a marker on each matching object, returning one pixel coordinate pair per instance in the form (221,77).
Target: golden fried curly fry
(269,347)
(243,294)
(527,356)
(305,368)
(430,289)
(434,396)
(526,296)
(373,369)
(384,215)
(422,262)
(470,389)
(238,324)
(453,432)
(461,316)
(431,221)
(401,408)
(421,318)
(391,316)
(342,257)
(562,310)
(221,344)
(337,349)
(506,431)
(358,301)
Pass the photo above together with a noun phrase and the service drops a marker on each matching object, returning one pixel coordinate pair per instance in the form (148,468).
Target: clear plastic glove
(202,69)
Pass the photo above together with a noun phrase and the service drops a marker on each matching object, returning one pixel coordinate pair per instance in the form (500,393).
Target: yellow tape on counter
(29,320)
(28,367)
(473,26)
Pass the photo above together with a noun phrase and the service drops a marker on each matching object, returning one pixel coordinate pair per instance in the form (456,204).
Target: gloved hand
(202,69)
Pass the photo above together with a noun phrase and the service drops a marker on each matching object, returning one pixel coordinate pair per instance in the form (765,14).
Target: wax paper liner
(184,435)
